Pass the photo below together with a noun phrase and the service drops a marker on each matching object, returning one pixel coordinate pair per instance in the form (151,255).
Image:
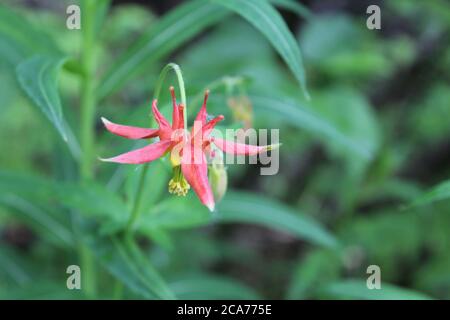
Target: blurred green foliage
(364,166)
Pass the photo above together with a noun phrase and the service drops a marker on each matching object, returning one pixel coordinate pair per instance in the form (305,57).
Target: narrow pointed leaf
(293,6)
(38,77)
(307,119)
(251,208)
(173,30)
(270,23)
(23,37)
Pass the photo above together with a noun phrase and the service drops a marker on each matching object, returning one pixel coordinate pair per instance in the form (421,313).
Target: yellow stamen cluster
(178,184)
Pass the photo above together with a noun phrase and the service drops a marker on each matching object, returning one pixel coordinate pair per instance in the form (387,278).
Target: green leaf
(173,30)
(357,289)
(207,286)
(437,193)
(23,38)
(92,200)
(293,6)
(252,208)
(38,78)
(175,213)
(19,40)
(25,185)
(269,22)
(307,119)
(178,27)
(127,264)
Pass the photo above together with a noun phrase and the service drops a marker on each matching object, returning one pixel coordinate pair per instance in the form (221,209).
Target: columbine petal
(142,155)
(239,148)
(129,132)
(175,112)
(207,128)
(201,115)
(195,172)
(162,122)
(181,116)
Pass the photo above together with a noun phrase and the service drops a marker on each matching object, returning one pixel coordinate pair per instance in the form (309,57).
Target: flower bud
(217,175)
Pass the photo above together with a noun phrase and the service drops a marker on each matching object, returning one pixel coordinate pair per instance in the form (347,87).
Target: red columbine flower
(188,151)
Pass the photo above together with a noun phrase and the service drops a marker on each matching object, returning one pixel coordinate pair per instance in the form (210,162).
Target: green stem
(88,99)
(135,212)
(159,84)
(88,102)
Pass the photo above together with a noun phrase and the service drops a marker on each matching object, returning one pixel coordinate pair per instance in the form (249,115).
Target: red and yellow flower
(187,150)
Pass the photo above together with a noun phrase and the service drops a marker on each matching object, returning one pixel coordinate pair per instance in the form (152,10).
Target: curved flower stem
(135,211)
(159,84)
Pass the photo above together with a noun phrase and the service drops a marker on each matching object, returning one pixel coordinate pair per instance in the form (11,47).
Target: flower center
(178,184)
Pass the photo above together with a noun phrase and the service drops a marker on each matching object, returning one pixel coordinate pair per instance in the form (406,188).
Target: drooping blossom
(187,150)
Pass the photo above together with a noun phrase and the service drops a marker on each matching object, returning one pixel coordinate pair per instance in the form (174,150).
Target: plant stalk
(135,212)
(88,99)
(87,105)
